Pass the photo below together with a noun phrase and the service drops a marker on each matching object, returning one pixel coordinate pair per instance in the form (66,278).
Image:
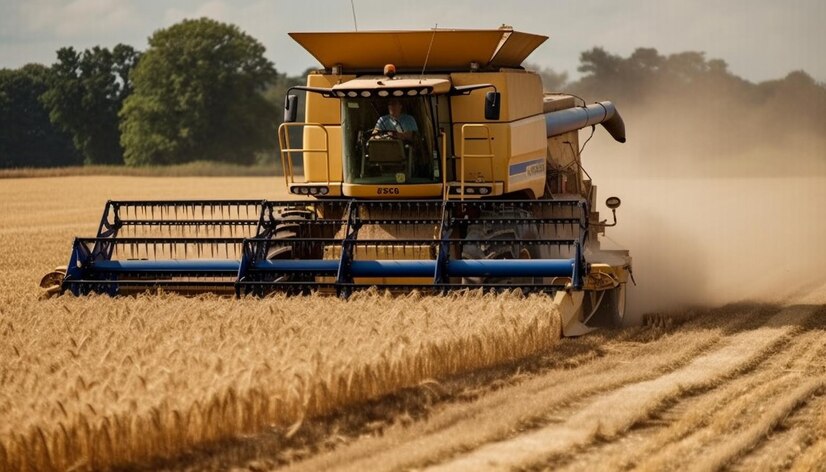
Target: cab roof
(451,49)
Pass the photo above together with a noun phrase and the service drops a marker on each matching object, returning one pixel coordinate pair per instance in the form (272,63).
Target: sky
(759,39)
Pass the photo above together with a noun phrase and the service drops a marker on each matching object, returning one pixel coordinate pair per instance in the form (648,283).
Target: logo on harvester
(526,170)
(535,169)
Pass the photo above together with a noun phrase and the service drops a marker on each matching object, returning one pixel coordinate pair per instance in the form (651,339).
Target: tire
(610,307)
(289,228)
(515,250)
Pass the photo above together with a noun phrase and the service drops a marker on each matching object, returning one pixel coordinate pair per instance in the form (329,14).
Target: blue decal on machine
(526,170)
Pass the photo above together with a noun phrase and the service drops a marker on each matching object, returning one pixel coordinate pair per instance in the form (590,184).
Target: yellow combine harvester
(430,160)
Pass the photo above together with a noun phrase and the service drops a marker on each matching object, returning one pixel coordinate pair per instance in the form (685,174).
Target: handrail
(286,150)
(488,156)
(443,137)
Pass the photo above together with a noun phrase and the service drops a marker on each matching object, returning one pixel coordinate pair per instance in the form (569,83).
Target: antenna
(428,51)
(353,7)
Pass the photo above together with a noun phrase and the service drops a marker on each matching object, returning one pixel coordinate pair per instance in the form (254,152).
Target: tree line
(698,100)
(203,90)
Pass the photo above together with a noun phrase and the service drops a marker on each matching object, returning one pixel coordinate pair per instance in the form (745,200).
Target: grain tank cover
(452,50)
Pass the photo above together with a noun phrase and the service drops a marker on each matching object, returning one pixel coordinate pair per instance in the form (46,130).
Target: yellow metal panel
(516,48)
(387,192)
(606,276)
(451,49)
(522,141)
(521,95)
(524,94)
(528,138)
(478,169)
(557,101)
(528,147)
(326,111)
(315,164)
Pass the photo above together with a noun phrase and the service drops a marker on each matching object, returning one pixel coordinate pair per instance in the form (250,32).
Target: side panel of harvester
(517,138)
(318,143)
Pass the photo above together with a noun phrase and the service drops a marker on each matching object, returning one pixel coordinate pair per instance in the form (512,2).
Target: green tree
(27,136)
(199,96)
(86,93)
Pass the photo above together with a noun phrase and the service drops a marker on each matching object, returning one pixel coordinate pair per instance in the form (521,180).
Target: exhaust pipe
(570,119)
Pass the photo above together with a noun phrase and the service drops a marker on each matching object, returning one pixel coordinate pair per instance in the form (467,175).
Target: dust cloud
(720,203)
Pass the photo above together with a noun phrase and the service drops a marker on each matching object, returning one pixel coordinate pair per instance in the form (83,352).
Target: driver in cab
(399,125)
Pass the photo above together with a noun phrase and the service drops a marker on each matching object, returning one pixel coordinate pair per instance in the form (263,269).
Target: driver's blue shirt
(402,124)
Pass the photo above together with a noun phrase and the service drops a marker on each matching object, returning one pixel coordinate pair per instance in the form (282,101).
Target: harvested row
(815,455)
(613,413)
(97,382)
(702,395)
(621,358)
(712,427)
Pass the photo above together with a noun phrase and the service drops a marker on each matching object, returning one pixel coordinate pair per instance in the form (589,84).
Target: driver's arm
(410,127)
(381,125)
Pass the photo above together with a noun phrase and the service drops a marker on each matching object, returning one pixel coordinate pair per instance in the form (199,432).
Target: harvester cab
(431,160)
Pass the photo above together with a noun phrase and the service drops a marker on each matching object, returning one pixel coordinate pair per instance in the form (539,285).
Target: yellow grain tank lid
(451,49)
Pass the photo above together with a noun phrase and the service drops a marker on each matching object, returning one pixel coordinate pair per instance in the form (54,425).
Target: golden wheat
(95,382)
(104,381)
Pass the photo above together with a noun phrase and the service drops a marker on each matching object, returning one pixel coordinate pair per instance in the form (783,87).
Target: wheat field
(96,382)
(464,382)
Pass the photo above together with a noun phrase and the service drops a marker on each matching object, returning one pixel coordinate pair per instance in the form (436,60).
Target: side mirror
(613,202)
(290,108)
(492,100)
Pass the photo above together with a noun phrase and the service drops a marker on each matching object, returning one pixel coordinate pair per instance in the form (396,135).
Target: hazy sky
(760,39)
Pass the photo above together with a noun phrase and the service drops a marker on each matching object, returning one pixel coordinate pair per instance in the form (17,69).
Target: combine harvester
(484,190)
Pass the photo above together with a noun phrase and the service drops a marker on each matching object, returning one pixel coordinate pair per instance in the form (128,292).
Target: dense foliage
(204,91)
(198,97)
(86,92)
(27,136)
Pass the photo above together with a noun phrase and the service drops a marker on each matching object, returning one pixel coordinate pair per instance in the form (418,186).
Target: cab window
(389,141)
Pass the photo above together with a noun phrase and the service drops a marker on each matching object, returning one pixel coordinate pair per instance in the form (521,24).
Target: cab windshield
(389,141)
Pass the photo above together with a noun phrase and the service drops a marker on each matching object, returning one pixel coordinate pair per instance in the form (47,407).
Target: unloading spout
(570,119)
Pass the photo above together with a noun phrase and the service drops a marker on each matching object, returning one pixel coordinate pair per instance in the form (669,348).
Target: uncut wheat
(95,382)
